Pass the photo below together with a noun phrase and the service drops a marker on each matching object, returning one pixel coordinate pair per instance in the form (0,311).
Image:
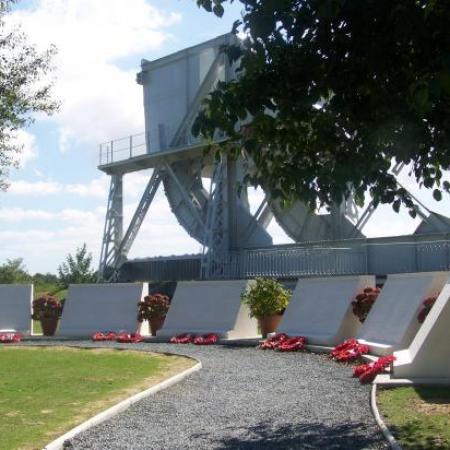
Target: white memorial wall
(427,359)
(15,307)
(392,322)
(101,307)
(320,309)
(201,307)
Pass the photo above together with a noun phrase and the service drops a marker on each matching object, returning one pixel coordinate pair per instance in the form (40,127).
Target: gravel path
(247,399)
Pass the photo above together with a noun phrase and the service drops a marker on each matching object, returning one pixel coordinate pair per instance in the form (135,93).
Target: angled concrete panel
(15,307)
(392,322)
(101,307)
(209,307)
(321,310)
(427,359)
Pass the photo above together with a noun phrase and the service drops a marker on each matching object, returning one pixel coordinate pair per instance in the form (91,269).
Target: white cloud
(100,100)
(97,188)
(34,188)
(29,147)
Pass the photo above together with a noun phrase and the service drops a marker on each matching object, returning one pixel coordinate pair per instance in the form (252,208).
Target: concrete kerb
(58,444)
(394,445)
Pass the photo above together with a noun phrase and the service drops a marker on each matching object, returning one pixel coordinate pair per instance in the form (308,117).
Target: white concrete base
(15,307)
(101,307)
(321,310)
(392,322)
(428,356)
(209,307)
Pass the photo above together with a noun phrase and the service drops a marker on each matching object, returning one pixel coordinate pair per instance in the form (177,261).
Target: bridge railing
(378,257)
(122,149)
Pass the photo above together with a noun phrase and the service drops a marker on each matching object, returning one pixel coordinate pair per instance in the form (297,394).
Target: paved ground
(246,399)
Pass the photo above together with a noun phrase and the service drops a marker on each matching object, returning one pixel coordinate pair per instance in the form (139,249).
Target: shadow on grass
(413,437)
(265,436)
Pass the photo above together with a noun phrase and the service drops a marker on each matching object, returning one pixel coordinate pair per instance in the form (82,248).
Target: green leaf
(396,205)
(218,10)
(437,195)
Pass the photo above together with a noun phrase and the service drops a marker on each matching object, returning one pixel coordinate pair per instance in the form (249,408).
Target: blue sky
(57,198)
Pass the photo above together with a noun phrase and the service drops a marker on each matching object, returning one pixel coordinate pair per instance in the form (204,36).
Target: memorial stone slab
(201,307)
(101,307)
(320,309)
(392,322)
(427,359)
(15,307)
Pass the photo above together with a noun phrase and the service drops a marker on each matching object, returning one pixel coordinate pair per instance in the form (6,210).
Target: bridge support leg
(113,231)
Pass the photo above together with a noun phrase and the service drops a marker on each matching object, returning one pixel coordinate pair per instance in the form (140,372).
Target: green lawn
(419,417)
(46,391)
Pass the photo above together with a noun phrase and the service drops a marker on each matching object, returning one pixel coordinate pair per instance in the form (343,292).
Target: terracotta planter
(156,323)
(269,324)
(49,325)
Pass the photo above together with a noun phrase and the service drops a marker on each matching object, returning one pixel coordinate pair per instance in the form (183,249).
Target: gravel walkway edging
(58,443)
(383,427)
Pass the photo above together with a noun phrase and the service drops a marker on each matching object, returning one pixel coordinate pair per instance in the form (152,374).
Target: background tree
(77,269)
(14,272)
(338,91)
(23,90)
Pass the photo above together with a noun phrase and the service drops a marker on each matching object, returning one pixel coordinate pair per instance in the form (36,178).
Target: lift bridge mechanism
(235,241)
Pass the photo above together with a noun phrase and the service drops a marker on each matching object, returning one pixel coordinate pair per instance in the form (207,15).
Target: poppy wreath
(367,372)
(206,339)
(104,336)
(283,343)
(349,350)
(184,338)
(427,304)
(10,337)
(364,301)
(125,337)
(293,344)
(273,342)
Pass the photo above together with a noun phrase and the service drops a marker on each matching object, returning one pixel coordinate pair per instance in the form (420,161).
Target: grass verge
(419,417)
(47,391)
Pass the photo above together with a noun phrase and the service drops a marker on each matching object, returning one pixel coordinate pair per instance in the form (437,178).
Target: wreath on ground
(283,343)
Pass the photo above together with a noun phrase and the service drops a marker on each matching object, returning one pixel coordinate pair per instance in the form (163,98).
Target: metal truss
(216,248)
(113,231)
(112,260)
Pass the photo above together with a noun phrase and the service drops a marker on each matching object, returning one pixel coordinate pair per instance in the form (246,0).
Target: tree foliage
(23,90)
(13,271)
(337,92)
(77,269)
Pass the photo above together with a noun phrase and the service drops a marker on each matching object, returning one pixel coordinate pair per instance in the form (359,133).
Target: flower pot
(156,323)
(269,324)
(49,325)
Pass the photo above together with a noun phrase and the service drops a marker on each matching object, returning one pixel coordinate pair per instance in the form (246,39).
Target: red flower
(427,304)
(125,337)
(206,339)
(10,337)
(368,372)
(293,344)
(364,301)
(185,338)
(349,350)
(274,341)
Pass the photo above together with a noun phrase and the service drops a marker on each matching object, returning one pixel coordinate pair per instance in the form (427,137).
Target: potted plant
(48,310)
(154,308)
(364,301)
(267,299)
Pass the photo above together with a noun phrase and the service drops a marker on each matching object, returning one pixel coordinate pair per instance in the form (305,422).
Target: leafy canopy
(23,89)
(13,271)
(77,269)
(337,92)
